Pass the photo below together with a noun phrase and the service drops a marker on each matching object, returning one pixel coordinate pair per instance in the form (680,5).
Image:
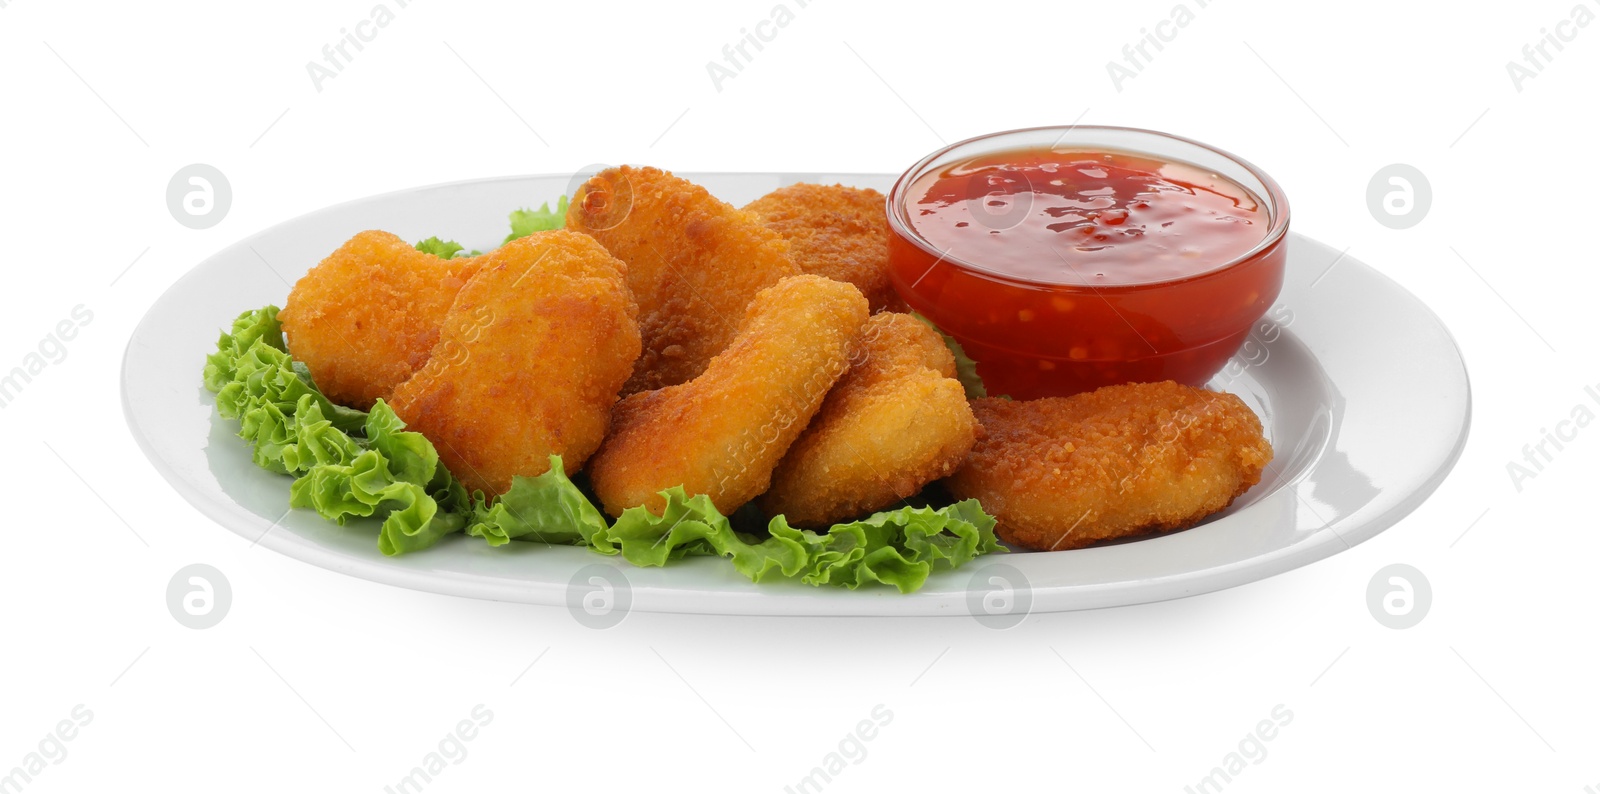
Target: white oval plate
(1359,386)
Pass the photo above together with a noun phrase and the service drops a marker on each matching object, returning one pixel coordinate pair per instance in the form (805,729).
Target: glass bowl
(1034,338)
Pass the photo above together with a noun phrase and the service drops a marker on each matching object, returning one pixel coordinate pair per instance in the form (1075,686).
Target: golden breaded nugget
(1065,472)
(529,362)
(366,318)
(722,433)
(835,231)
(895,422)
(694,263)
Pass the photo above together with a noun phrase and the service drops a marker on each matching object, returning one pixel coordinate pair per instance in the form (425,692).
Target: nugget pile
(759,355)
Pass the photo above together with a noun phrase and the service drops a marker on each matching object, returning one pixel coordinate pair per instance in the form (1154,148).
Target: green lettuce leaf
(315,440)
(258,384)
(399,476)
(692,525)
(899,548)
(354,463)
(444,249)
(548,509)
(543,219)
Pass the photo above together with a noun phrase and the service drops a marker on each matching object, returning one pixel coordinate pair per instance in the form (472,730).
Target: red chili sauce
(1062,271)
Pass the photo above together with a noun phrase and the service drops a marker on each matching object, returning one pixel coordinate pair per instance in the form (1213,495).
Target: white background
(316,681)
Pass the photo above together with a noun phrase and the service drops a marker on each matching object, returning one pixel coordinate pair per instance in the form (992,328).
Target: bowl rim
(900,226)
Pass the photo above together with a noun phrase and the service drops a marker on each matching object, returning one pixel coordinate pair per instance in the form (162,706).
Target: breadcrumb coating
(694,264)
(895,422)
(367,317)
(1066,472)
(835,231)
(722,433)
(529,362)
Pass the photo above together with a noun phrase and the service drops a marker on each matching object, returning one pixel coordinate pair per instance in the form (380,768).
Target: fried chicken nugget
(835,231)
(694,263)
(367,317)
(895,422)
(1065,472)
(722,433)
(529,362)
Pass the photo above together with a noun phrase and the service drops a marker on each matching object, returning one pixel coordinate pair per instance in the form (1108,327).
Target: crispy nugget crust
(529,362)
(366,318)
(694,263)
(1065,472)
(835,231)
(723,433)
(895,422)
